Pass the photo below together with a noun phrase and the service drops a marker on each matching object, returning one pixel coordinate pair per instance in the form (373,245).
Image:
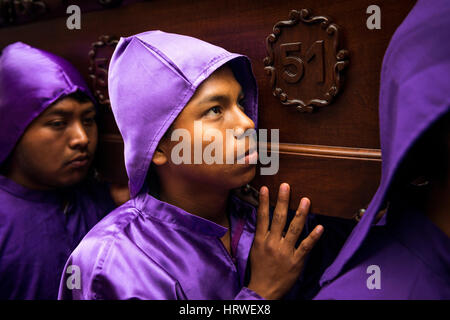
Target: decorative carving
(110,3)
(305,60)
(6,12)
(15,12)
(99,58)
(12,11)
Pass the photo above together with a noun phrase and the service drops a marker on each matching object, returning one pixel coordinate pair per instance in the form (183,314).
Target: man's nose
(79,138)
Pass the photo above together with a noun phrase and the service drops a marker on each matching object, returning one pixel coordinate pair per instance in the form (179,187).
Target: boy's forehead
(224,72)
(221,80)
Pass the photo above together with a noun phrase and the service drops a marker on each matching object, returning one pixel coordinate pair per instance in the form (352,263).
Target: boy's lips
(250,156)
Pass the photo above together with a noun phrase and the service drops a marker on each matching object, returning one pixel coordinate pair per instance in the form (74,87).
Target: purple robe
(148,249)
(404,256)
(38,229)
(30,81)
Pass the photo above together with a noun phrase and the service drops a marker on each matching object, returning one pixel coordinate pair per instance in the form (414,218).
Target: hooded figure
(405,255)
(148,248)
(39,227)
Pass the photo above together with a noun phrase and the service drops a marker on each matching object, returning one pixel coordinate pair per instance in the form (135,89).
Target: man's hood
(414,94)
(30,81)
(152,76)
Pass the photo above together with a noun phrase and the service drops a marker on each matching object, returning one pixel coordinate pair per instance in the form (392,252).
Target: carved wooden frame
(342,61)
(110,3)
(15,12)
(11,10)
(97,74)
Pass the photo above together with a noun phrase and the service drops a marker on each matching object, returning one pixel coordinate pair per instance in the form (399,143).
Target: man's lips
(79,161)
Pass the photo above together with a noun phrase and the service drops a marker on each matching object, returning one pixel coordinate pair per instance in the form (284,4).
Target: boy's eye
(214,111)
(241,104)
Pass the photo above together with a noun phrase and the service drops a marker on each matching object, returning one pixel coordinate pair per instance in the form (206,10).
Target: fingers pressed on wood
(298,222)
(280,212)
(262,219)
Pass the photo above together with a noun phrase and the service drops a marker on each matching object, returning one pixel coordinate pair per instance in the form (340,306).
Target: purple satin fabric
(148,249)
(39,230)
(30,81)
(414,93)
(413,257)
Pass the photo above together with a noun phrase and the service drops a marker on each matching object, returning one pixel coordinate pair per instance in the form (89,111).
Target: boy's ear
(159,157)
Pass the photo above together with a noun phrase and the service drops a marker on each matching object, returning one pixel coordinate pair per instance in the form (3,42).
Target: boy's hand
(275,262)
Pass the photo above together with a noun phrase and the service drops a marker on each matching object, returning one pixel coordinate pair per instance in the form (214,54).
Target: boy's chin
(243,176)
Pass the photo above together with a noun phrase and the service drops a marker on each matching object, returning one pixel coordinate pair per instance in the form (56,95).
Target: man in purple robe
(48,197)
(183,235)
(406,255)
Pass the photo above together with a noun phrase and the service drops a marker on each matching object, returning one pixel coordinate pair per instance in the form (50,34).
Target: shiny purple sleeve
(247,294)
(114,268)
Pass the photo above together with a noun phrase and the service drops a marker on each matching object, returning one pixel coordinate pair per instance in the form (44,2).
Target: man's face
(218,105)
(57,148)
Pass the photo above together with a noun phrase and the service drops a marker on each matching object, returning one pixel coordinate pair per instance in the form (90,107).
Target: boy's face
(57,148)
(217,104)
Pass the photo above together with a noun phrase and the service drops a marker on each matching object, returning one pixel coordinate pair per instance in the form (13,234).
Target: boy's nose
(242,121)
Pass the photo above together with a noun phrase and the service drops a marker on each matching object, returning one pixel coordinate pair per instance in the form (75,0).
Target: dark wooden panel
(16,12)
(334,185)
(312,143)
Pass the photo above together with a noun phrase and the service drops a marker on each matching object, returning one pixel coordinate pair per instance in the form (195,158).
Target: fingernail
(284,187)
(319,229)
(304,203)
(263,191)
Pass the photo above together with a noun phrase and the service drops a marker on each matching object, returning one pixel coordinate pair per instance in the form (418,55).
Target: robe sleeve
(247,294)
(116,269)
(108,288)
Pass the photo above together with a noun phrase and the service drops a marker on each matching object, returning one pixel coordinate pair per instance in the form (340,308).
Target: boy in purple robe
(406,255)
(183,235)
(48,198)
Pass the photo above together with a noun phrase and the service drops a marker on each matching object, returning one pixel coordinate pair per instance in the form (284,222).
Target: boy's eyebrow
(219,97)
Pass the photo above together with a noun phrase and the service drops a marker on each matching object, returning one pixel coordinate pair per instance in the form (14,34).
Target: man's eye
(57,124)
(89,121)
(213,111)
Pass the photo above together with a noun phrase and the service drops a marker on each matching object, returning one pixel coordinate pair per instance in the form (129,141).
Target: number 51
(315,51)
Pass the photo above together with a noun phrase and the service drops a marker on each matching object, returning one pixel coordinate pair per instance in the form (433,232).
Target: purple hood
(152,76)
(414,94)
(30,81)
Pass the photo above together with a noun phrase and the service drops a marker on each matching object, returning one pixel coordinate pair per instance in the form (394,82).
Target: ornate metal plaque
(305,60)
